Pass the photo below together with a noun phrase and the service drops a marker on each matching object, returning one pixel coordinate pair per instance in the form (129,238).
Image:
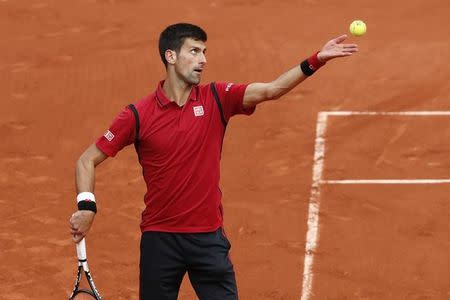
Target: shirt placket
(182,115)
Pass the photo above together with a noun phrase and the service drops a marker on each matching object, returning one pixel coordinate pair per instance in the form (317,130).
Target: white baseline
(386,181)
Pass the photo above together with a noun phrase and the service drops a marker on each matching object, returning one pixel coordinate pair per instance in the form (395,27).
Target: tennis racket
(77,293)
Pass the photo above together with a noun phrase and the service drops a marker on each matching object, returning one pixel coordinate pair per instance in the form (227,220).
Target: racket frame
(83,266)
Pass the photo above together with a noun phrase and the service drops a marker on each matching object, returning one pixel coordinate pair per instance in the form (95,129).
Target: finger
(75,230)
(340,39)
(343,51)
(80,237)
(349,46)
(77,237)
(349,51)
(346,49)
(72,218)
(73,222)
(343,54)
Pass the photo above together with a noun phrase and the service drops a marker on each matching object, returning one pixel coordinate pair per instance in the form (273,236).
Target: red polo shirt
(180,150)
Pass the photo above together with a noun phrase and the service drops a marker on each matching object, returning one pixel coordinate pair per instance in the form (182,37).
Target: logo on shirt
(198,111)
(228,87)
(109,135)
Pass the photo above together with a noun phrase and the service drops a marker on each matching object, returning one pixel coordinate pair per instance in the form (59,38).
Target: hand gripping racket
(77,293)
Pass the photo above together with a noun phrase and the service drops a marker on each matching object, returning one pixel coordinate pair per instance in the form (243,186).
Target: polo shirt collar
(164,101)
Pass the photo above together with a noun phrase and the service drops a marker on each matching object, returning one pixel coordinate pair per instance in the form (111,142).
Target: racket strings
(83,295)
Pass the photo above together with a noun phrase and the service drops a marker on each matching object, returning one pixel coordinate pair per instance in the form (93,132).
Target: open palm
(335,48)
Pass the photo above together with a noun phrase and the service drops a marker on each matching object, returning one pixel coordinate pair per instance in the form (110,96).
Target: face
(190,62)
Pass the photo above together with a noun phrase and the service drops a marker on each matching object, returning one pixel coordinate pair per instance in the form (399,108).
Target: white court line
(312,235)
(384,113)
(386,181)
(314,204)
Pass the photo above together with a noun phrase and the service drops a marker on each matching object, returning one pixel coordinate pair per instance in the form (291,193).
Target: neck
(177,90)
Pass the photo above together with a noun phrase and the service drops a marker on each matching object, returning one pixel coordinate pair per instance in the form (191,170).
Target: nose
(203,59)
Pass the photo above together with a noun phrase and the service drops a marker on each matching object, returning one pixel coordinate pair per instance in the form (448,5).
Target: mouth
(198,70)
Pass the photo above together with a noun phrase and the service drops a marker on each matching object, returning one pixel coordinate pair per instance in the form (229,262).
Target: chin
(194,81)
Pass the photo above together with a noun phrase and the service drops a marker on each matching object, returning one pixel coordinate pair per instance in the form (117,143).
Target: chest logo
(198,111)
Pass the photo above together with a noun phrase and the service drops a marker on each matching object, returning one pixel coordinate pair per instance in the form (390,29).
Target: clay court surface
(68,67)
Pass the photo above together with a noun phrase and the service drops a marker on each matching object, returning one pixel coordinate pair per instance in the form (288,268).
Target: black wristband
(310,65)
(87,205)
(306,68)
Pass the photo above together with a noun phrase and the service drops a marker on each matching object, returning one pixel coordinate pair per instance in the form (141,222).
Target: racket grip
(81,250)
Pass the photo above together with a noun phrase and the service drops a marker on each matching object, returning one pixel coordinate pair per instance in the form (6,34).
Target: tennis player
(178,132)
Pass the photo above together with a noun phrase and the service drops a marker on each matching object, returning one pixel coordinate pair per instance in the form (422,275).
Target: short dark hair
(174,35)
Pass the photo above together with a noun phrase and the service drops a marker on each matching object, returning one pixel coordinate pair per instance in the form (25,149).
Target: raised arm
(81,221)
(260,92)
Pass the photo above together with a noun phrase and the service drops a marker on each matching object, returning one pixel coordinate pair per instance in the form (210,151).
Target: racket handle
(81,250)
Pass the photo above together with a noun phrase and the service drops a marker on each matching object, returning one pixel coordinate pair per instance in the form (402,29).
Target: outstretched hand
(334,48)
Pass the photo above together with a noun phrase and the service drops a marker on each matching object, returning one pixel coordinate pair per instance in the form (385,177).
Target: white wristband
(85,196)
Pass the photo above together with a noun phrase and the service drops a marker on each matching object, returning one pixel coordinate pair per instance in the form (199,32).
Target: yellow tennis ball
(358,28)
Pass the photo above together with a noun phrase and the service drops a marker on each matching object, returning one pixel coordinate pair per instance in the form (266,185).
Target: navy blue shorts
(166,257)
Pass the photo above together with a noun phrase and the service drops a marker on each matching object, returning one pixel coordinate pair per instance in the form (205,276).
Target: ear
(171,56)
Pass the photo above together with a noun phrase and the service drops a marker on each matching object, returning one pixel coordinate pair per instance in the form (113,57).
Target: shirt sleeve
(120,134)
(232,96)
